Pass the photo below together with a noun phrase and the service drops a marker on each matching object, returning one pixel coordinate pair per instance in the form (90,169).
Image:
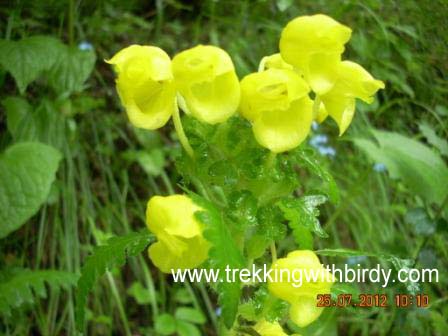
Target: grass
(100,192)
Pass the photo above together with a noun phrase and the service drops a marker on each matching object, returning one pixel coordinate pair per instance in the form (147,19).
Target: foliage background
(109,169)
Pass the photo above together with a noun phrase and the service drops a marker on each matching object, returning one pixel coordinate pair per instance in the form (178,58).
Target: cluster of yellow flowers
(203,83)
(276,100)
(181,245)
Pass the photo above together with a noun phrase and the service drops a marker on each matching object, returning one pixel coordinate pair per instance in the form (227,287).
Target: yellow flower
(274,61)
(302,266)
(353,82)
(145,85)
(180,242)
(207,82)
(265,328)
(314,44)
(276,102)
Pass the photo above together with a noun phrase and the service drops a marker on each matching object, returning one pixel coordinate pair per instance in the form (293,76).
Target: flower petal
(173,215)
(192,253)
(145,85)
(355,81)
(341,109)
(265,328)
(314,44)
(282,130)
(274,61)
(206,79)
(273,89)
(304,311)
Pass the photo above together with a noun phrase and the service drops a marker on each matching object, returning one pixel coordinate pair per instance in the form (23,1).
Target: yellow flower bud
(353,82)
(314,45)
(276,102)
(180,242)
(145,85)
(299,265)
(207,82)
(265,328)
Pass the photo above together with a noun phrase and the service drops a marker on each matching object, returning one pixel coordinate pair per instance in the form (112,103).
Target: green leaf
(308,159)
(26,59)
(104,258)
(223,252)
(152,162)
(187,329)
(420,168)
(71,70)
(190,315)
(165,324)
(430,135)
(141,294)
(23,286)
(45,123)
(27,171)
(420,222)
(303,212)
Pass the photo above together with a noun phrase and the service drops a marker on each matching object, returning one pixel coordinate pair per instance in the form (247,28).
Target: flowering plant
(244,151)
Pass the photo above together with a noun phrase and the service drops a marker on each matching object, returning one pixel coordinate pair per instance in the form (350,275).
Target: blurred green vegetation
(110,169)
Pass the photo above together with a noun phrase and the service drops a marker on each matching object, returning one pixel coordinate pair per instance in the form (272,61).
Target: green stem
(181,134)
(270,159)
(71,22)
(120,307)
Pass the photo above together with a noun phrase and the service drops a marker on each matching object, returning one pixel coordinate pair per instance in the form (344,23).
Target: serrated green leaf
(27,171)
(308,159)
(420,168)
(190,315)
(303,212)
(71,70)
(24,285)
(26,59)
(223,252)
(104,258)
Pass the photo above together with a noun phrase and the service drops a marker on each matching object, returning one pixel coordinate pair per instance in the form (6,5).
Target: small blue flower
(315,126)
(327,151)
(355,260)
(318,140)
(379,167)
(84,45)
(218,311)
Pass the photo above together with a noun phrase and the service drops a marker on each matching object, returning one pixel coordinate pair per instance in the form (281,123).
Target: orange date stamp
(372,300)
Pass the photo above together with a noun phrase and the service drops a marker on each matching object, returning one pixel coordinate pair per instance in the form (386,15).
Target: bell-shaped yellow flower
(353,82)
(274,61)
(145,85)
(265,328)
(207,82)
(302,268)
(180,242)
(276,102)
(314,45)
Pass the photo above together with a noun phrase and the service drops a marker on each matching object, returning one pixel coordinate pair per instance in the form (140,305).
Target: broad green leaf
(223,252)
(190,315)
(103,258)
(26,59)
(27,171)
(420,168)
(45,123)
(71,70)
(23,286)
